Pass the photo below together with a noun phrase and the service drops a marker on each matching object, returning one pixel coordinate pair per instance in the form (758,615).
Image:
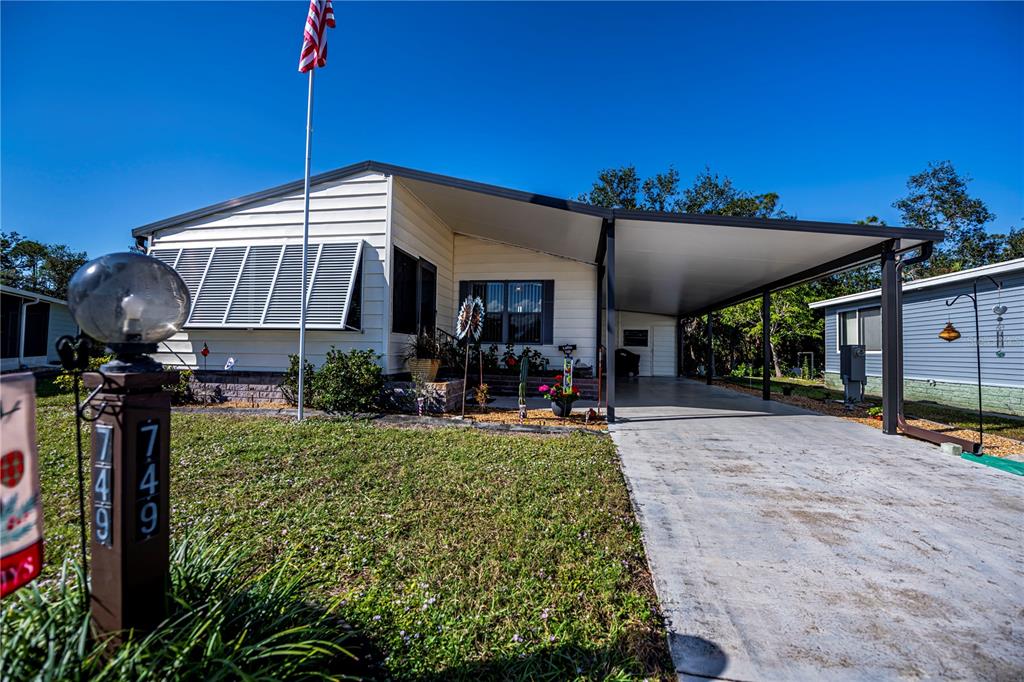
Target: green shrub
(181,392)
(742,370)
(290,382)
(65,380)
(347,382)
(225,623)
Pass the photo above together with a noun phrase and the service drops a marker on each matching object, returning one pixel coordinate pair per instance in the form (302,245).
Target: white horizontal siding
(927,357)
(418,231)
(354,207)
(575,288)
(61,324)
(659,357)
(340,211)
(256,350)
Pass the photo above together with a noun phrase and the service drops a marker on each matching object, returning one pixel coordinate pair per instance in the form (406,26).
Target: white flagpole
(305,249)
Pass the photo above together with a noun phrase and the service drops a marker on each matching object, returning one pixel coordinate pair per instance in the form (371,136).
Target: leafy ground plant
(226,622)
(460,554)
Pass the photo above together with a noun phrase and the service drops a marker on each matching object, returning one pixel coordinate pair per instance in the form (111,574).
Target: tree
(938,200)
(1013,244)
(792,323)
(44,268)
(711,195)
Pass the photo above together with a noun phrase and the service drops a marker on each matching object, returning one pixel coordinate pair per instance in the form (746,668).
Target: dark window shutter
(463,293)
(548,311)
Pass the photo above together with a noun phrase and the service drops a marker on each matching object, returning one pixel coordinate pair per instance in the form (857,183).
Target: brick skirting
(1000,399)
(218,385)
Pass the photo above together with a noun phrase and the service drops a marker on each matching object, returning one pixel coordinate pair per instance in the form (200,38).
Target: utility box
(853,372)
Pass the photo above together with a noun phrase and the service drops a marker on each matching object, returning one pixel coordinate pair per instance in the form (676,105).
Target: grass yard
(460,554)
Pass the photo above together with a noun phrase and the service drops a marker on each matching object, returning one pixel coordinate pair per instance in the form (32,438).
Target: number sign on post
(21,515)
(103,485)
(147,471)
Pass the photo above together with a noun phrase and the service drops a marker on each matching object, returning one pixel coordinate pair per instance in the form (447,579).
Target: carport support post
(890,340)
(709,363)
(610,331)
(766,341)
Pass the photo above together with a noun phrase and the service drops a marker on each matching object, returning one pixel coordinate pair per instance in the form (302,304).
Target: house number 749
(148,484)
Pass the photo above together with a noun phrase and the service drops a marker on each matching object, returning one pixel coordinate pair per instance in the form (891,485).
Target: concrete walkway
(788,545)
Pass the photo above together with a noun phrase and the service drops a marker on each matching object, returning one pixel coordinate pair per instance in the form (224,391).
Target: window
(413,294)
(634,337)
(37,323)
(863,326)
(871,328)
(10,326)
(517,311)
(525,301)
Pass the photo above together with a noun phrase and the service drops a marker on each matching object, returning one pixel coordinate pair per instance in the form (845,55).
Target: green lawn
(963,419)
(460,554)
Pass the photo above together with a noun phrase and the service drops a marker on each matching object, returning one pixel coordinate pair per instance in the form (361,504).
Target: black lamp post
(950,334)
(130,302)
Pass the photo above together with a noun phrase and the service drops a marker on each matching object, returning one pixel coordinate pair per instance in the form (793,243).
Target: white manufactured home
(393,250)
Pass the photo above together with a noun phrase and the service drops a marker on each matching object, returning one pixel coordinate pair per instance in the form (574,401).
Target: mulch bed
(539,417)
(999,446)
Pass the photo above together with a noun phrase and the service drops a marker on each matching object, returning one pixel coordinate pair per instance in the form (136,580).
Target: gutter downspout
(901,420)
(21,331)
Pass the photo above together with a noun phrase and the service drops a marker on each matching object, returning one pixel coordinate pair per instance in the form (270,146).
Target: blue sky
(114,115)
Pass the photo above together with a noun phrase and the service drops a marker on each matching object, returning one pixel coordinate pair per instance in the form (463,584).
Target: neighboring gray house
(937,370)
(31,323)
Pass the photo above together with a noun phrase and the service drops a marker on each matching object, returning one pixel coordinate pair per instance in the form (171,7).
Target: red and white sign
(21,514)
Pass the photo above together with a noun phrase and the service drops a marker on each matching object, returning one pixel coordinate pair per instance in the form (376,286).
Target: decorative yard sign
(567,364)
(21,515)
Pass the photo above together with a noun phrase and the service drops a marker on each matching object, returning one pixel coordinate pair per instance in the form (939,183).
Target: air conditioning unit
(853,372)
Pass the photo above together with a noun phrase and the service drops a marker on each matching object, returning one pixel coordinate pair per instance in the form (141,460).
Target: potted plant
(561,400)
(423,357)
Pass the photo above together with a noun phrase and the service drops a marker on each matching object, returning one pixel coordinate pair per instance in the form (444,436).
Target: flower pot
(424,369)
(561,409)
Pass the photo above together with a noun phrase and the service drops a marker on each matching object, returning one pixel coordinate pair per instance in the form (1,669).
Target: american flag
(314,41)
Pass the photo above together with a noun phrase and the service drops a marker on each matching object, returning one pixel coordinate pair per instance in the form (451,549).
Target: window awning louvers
(260,285)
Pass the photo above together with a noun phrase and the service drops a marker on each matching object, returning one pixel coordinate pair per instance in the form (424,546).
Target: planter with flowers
(561,399)
(423,357)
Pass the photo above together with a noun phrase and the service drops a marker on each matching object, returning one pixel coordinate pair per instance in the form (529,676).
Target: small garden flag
(21,548)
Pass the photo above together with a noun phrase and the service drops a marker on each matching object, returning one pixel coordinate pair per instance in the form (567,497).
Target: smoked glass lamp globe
(129,301)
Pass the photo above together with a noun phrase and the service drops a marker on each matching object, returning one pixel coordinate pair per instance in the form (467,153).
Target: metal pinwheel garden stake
(469,326)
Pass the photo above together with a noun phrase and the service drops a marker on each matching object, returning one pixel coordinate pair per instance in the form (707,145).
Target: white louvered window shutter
(259,286)
(284,299)
(211,302)
(331,285)
(254,284)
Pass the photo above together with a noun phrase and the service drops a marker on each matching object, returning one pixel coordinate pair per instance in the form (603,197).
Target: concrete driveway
(788,545)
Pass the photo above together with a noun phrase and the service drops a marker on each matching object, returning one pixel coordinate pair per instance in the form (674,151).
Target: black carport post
(766,325)
(890,340)
(709,363)
(610,331)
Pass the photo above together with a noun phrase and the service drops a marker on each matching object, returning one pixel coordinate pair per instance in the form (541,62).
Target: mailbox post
(129,499)
(131,302)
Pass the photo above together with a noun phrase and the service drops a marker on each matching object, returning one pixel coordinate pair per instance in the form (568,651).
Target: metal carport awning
(686,265)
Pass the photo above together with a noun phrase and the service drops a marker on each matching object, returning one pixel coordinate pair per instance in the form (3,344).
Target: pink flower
(544,389)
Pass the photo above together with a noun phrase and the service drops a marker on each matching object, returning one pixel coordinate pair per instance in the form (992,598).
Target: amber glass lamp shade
(949,333)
